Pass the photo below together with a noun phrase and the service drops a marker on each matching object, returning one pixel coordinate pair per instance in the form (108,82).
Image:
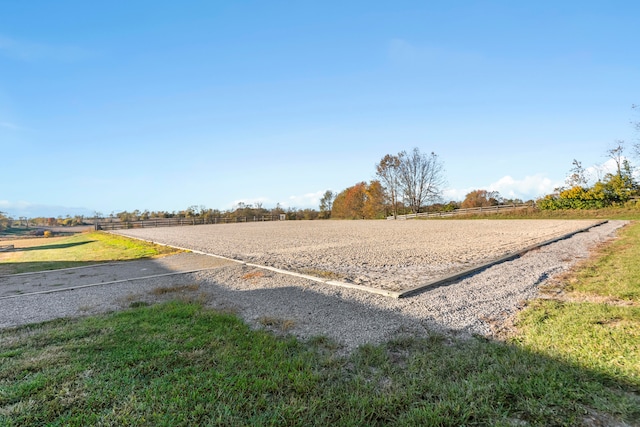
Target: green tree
(614,188)
(278,210)
(326,203)
(5,221)
(388,170)
(577,176)
(125,216)
(636,125)
(616,153)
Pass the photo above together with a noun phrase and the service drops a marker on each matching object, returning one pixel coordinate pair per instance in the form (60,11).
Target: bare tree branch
(421,177)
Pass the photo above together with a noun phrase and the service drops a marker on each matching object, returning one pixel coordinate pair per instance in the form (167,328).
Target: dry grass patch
(282,325)
(174,289)
(253,275)
(324,274)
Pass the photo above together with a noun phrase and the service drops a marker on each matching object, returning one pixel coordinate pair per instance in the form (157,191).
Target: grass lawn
(179,363)
(602,276)
(622,213)
(81,249)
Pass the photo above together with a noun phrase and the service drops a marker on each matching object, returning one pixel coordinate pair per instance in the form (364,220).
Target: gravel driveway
(301,307)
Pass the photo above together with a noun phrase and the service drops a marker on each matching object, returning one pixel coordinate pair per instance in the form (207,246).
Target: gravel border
(291,305)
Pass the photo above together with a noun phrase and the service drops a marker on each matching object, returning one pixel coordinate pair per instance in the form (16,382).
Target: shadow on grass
(174,359)
(57,246)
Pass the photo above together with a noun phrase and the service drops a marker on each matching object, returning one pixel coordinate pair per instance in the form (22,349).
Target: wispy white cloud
(597,172)
(534,186)
(529,187)
(303,201)
(308,200)
(29,51)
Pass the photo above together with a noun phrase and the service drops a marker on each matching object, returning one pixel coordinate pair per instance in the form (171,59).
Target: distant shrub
(47,233)
(632,204)
(601,195)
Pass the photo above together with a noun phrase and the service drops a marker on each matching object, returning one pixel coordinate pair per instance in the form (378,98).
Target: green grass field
(621,213)
(81,249)
(573,361)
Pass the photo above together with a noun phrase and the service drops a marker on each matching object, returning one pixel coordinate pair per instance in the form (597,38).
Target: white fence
(469,211)
(117,224)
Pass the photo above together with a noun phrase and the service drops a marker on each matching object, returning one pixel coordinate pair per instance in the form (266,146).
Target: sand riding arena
(393,258)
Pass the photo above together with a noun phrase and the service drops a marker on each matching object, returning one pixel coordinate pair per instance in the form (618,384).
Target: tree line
(406,182)
(240,211)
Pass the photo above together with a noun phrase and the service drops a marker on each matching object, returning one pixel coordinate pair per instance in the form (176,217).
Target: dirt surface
(389,255)
(73,278)
(477,304)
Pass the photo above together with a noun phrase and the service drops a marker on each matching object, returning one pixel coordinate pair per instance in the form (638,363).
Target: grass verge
(614,273)
(81,249)
(181,364)
(620,213)
(593,323)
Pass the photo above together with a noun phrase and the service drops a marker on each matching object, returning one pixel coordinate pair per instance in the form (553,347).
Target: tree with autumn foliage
(361,201)
(480,199)
(349,203)
(374,201)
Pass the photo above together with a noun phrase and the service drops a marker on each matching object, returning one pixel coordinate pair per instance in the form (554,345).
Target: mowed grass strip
(630,213)
(180,364)
(596,324)
(614,273)
(599,337)
(78,250)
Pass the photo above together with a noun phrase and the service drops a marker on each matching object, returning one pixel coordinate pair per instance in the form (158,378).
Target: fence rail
(468,211)
(116,224)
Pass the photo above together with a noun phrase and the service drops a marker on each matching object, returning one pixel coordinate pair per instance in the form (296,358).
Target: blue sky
(111,106)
